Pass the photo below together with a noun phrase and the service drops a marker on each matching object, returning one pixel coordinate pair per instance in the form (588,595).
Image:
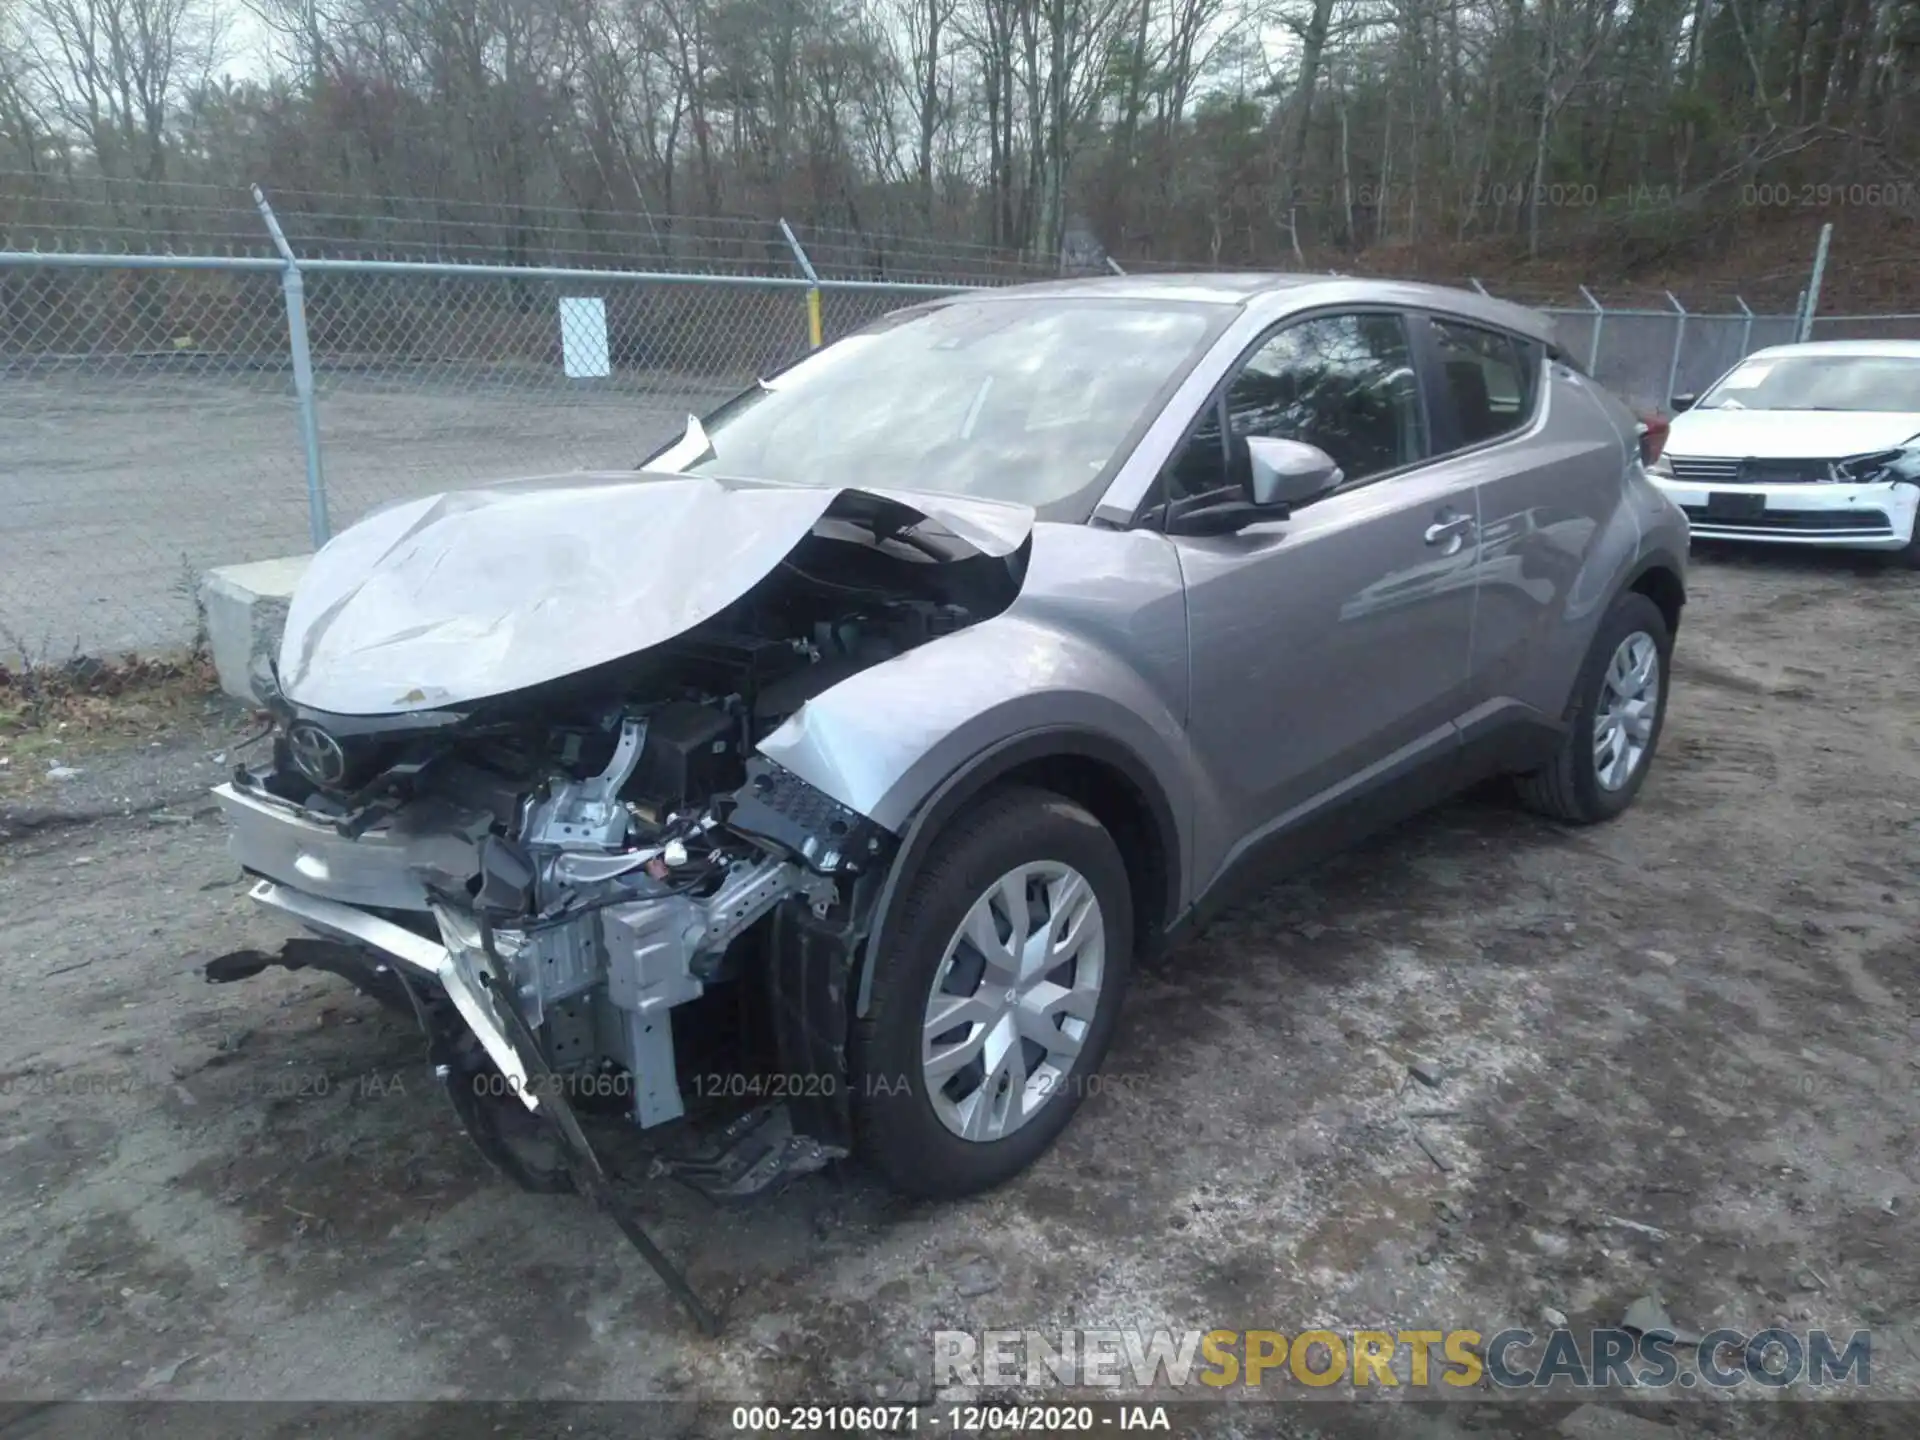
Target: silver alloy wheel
(1012,1000)
(1629,701)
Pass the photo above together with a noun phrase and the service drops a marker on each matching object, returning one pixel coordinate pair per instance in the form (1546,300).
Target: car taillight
(1653,438)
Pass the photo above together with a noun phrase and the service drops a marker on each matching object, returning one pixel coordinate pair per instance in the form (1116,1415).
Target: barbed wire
(121,215)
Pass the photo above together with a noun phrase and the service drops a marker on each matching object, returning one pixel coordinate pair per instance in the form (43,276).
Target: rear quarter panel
(1560,538)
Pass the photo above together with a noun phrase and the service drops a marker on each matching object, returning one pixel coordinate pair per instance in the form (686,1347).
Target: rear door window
(1485,381)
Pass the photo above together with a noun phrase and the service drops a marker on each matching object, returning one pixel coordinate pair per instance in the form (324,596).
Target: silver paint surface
(1253,676)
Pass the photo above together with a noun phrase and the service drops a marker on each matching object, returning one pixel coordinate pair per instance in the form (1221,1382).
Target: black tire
(1907,557)
(1567,788)
(896,1129)
(521,1145)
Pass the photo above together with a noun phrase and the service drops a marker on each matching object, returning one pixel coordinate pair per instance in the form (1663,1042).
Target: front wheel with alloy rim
(1613,720)
(994,996)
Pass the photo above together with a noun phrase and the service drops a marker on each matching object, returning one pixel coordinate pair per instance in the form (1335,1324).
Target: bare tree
(1238,131)
(24,134)
(114,71)
(923,39)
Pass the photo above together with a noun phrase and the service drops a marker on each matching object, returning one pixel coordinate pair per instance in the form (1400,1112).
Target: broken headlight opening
(593,894)
(1902,463)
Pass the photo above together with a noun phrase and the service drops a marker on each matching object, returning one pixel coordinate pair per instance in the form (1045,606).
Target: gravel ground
(1700,1019)
(66,775)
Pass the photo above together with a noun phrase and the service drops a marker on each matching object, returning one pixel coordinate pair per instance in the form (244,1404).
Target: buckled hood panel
(473,594)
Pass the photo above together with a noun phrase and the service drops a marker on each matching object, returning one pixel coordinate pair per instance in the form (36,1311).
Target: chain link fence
(150,418)
(428,378)
(1865,327)
(147,429)
(152,406)
(1649,356)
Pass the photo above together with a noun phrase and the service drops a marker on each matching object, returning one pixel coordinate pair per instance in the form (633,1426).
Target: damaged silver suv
(824,777)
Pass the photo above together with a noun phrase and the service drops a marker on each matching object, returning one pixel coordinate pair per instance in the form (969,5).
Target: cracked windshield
(1006,400)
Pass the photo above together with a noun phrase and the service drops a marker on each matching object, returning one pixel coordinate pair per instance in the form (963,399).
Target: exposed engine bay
(545,877)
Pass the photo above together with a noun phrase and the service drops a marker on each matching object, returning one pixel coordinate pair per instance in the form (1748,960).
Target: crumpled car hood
(478,593)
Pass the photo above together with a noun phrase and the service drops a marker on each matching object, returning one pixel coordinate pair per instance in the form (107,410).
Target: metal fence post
(1679,338)
(295,290)
(815,334)
(1813,285)
(1599,319)
(1746,327)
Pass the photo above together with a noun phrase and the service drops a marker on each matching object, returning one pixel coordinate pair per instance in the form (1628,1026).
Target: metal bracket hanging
(588,1173)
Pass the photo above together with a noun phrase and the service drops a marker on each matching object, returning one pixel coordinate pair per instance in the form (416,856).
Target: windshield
(1887,383)
(1025,400)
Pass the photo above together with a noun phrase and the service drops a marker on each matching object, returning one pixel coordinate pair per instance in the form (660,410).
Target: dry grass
(119,696)
(61,713)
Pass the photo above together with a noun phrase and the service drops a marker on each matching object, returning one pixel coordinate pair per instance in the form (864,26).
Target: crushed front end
(597,866)
(555,898)
(568,859)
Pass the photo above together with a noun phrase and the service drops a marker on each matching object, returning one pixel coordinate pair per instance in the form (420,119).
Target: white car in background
(1814,444)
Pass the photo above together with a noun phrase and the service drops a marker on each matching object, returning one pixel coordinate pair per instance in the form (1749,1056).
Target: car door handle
(1449,528)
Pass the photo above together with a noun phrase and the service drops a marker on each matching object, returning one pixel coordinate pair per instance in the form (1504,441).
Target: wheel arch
(1658,577)
(1095,771)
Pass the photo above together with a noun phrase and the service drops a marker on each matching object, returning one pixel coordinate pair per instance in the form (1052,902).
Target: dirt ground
(1700,1019)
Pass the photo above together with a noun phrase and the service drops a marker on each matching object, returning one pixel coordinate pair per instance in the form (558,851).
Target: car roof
(1281,293)
(1211,287)
(1890,349)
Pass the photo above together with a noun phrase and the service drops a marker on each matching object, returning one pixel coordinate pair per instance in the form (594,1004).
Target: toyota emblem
(317,753)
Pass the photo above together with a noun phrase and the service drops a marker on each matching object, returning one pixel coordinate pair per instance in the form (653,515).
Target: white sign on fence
(583,337)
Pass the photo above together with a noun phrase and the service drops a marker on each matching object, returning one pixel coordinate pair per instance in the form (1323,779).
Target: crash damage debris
(1647,1316)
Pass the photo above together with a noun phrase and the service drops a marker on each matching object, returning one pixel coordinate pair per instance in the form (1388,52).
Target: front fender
(884,740)
(911,742)
(1095,646)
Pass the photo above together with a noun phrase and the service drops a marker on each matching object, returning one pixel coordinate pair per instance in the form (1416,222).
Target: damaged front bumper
(591,940)
(458,970)
(377,866)
(400,906)
(483,1005)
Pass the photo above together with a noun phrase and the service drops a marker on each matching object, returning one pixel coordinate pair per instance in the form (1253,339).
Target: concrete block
(246,609)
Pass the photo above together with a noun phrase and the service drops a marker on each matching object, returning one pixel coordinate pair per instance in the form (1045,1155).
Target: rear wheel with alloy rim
(1629,704)
(994,995)
(1613,720)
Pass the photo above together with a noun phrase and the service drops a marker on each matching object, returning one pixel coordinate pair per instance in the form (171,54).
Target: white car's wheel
(1907,557)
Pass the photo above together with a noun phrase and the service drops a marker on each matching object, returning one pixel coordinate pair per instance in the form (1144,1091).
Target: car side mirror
(1684,402)
(1288,473)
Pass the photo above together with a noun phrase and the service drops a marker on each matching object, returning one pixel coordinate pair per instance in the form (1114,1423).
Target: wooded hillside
(1535,143)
